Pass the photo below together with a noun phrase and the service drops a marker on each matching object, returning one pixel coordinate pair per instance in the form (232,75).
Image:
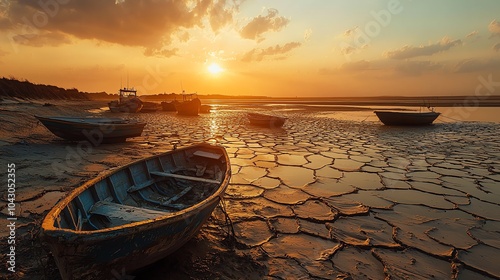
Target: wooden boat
(190,106)
(266,120)
(127,102)
(150,107)
(406,117)
(169,106)
(205,109)
(137,214)
(94,130)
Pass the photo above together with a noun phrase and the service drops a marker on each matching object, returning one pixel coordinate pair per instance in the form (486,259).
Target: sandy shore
(321,198)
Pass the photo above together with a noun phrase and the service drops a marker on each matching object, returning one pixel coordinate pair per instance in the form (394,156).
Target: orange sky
(273,48)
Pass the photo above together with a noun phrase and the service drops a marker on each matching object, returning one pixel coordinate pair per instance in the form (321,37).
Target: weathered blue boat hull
(90,129)
(136,214)
(126,250)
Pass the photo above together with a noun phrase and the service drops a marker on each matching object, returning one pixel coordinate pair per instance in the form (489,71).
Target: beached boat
(406,117)
(190,106)
(265,120)
(94,130)
(169,106)
(150,107)
(137,214)
(205,109)
(127,102)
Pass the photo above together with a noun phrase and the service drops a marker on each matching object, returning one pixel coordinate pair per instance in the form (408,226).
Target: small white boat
(128,102)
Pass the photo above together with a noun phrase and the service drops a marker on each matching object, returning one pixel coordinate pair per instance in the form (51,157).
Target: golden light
(215,68)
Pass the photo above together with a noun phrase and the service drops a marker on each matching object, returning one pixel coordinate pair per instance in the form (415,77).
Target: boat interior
(146,189)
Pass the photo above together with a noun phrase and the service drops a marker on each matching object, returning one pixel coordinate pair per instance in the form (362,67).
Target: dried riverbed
(318,199)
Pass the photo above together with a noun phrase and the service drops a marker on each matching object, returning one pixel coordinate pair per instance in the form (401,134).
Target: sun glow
(215,68)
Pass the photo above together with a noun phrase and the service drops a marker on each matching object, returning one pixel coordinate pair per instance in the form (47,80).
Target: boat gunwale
(406,118)
(49,230)
(56,119)
(259,116)
(414,113)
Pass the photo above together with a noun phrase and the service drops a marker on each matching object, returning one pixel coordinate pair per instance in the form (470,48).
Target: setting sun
(215,68)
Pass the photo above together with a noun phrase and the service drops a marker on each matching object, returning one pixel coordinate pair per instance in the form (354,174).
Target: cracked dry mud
(320,198)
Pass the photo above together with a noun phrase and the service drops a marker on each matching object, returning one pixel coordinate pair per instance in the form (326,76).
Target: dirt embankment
(12,88)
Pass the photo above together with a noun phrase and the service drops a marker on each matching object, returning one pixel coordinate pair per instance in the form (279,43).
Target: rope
(457,120)
(366,117)
(231,235)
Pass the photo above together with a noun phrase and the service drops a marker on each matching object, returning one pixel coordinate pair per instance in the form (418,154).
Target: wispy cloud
(163,52)
(361,65)
(416,68)
(410,51)
(307,34)
(477,65)
(494,28)
(347,49)
(496,47)
(350,32)
(473,35)
(42,39)
(262,24)
(259,54)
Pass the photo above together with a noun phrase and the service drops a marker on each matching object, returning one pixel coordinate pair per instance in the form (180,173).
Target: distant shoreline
(418,101)
(19,91)
(441,101)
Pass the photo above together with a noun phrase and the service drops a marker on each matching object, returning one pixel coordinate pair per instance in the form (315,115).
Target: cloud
(307,34)
(262,24)
(496,47)
(494,28)
(361,65)
(162,52)
(348,50)
(472,35)
(350,32)
(416,68)
(53,39)
(410,52)
(220,15)
(151,24)
(260,54)
(477,65)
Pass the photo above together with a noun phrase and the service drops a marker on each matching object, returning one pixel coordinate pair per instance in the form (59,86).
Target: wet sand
(321,198)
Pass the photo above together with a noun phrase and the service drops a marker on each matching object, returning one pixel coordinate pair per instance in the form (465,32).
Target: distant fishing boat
(104,130)
(406,117)
(190,106)
(169,106)
(150,107)
(265,120)
(137,214)
(205,108)
(127,102)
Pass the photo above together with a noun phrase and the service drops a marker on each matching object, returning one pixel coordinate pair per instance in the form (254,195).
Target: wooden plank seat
(207,155)
(184,177)
(118,213)
(141,185)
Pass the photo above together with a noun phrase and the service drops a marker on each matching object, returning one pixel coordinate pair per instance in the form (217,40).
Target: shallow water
(324,197)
